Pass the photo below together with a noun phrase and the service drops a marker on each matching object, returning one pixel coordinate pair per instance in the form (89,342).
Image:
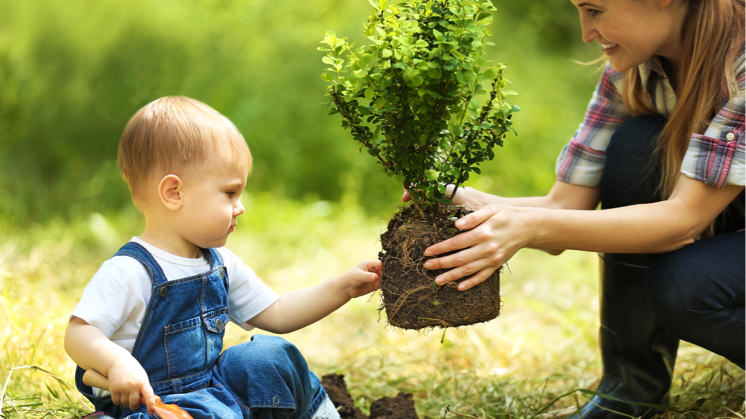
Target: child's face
(211,202)
(632,31)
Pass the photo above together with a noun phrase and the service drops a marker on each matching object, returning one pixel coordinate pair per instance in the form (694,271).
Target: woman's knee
(631,170)
(703,277)
(634,139)
(698,293)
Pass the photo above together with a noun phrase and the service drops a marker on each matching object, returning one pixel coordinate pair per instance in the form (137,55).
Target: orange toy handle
(169,411)
(165,411)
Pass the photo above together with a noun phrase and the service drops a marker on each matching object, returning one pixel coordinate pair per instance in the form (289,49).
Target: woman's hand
(494,234)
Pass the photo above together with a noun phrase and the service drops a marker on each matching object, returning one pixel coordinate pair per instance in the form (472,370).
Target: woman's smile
(609,48)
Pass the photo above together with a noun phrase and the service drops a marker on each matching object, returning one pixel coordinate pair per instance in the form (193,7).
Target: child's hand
(363,278)
(128,384)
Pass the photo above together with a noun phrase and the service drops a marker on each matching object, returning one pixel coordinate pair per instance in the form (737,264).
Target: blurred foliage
(73,72)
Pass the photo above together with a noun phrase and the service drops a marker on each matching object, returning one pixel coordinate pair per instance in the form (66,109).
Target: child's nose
(238,209)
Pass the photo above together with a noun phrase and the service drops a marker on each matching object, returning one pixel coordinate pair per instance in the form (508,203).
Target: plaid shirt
(716,157)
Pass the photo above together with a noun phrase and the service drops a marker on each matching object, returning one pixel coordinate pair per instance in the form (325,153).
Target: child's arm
(299,308)
(91,349)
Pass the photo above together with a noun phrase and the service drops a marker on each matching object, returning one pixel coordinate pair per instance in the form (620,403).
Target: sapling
(422,100)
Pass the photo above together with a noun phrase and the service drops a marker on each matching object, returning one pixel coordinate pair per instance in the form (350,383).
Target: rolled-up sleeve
(716,157)
(582,160)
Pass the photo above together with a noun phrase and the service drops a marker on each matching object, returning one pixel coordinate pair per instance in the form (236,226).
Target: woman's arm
(644,228)
(562,195)
(498,231)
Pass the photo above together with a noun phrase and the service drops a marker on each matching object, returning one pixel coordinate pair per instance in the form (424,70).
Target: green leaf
(484,18)
(432,174)
(421,43)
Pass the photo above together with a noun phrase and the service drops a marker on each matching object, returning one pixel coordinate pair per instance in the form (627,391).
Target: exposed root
(410,296)
(401,300)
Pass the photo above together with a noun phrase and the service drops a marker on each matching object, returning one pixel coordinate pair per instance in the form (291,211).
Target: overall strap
(137,251)
(213,256)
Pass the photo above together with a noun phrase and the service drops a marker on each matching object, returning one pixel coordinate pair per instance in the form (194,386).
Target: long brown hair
(713,38)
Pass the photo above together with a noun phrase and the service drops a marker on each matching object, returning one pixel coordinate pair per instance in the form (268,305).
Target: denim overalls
(179,346)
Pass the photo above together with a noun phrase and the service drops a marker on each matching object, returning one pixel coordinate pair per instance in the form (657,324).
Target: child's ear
(169,192)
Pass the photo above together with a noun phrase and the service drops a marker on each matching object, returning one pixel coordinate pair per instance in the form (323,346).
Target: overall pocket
(193,344)
(215,326)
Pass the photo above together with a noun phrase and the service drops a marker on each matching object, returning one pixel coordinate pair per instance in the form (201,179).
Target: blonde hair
(713,38)
(171,133)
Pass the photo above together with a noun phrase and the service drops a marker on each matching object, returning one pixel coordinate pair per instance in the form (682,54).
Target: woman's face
(632,31)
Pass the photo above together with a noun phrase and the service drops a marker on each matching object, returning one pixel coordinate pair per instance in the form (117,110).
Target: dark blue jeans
(697,292)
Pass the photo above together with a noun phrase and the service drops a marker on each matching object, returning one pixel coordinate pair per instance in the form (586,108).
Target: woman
(661,148)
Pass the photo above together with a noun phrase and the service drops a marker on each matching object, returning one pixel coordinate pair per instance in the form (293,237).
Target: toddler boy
(152,319)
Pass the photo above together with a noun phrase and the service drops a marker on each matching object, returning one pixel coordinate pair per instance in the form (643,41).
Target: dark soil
(399,407)
(410,296)
(335,387)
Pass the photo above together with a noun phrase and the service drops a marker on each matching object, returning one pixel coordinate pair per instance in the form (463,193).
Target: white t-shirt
(117,296)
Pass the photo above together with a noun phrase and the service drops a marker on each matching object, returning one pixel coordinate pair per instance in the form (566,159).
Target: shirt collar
(646,69)
(658,86)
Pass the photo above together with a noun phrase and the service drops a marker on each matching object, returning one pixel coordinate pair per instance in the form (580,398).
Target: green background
(73,72)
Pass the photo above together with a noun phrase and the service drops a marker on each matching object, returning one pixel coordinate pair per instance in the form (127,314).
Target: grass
(538,359)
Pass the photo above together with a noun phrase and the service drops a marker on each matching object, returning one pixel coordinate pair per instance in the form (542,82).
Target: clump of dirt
(411,298)
(399,407)
(336,389)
